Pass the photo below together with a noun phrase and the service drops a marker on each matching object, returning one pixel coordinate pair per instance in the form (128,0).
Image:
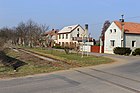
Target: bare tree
(21,33)
(1,43)
(28,33)
(105,27)
(42,38)
(6,36)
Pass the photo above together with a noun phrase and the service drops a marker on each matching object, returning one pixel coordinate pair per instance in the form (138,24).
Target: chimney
(86,30)
(122,19)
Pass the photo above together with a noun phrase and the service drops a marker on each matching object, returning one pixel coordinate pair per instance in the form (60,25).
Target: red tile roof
(129,27)
(52,32)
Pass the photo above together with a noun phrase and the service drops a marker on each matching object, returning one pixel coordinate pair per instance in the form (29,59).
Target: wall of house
(116,36)
(70,35)
(132,37)
(64,39)
(75,32)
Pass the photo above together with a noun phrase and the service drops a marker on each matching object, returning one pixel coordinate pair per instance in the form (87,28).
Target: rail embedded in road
(111,82)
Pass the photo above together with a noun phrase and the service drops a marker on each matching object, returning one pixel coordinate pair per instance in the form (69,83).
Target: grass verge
(34,65)
(72,58)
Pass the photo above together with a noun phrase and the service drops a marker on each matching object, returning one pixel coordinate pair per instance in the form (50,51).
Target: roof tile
(129,27)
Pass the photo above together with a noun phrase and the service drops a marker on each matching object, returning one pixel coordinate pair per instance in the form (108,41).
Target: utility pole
(122,36)
(82,45)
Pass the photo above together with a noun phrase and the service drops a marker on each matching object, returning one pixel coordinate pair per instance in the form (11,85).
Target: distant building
(51,37)
(73,35)
(122,34)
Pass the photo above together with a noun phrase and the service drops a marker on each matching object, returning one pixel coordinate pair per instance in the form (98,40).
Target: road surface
(122,76)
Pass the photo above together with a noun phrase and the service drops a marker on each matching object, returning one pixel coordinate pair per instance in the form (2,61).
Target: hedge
(58,47)
(136,52)
(122,51)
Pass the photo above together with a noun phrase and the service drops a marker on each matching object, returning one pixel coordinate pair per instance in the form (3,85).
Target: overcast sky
(60,13)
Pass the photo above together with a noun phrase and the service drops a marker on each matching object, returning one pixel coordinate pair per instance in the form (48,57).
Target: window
(78,35)
(62,43)
(110,30)
(66,36)
(114,30)
(77,29)
(62,36)
(59,43)
(133,43)
(67,43)
(75,44)
(112,43)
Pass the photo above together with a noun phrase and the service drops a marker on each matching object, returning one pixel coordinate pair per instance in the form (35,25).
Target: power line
(98,23)
(127,18)
(133,17)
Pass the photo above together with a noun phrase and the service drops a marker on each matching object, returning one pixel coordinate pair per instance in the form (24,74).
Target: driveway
(122,76)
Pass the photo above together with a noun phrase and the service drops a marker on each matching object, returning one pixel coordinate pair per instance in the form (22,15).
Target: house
(73,35)
(51,37)
(122,34)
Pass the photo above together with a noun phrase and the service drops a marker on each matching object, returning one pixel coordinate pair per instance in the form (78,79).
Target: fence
(96,49)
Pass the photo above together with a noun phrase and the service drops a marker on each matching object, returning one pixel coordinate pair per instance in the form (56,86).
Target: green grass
(72,57)
(34,65)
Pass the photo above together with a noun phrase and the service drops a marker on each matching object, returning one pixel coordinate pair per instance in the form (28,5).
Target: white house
(72,34)
(122,34)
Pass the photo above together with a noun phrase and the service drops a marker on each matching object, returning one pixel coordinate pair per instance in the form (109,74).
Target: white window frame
(134,43)
(115,30)
(112,43)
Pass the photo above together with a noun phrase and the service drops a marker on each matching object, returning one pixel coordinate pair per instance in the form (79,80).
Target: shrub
(58,47)
(122,51)
(136,52)
(67,49)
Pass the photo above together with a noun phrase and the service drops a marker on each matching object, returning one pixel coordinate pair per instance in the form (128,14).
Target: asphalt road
(120,77)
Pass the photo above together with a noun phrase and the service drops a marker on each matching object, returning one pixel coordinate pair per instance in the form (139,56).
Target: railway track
(104,79)
(115,75)
(45,57)
(38,55)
